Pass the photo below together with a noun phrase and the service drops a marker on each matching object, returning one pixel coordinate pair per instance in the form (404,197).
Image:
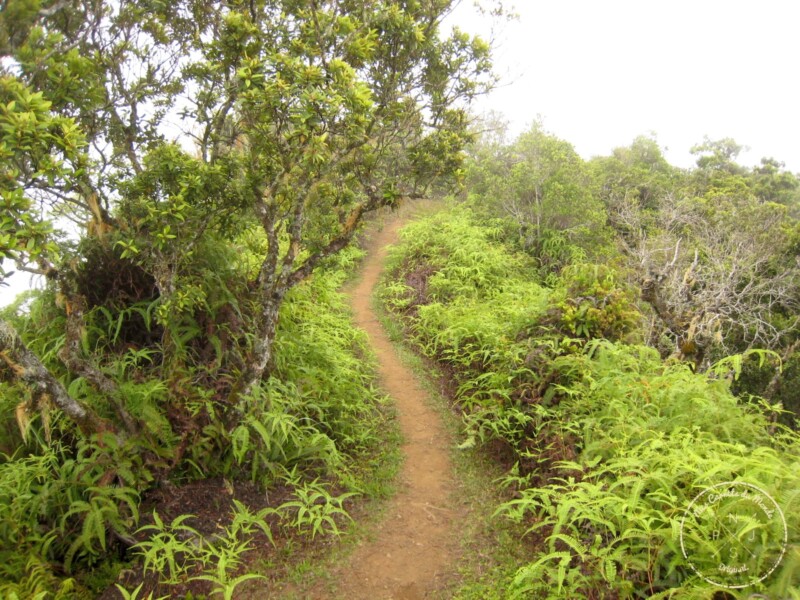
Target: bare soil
(209,504)
(413,551)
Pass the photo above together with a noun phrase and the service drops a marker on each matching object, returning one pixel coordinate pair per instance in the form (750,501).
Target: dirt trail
(415,547)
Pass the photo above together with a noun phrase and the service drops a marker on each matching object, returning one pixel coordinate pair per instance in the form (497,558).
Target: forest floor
(413,552)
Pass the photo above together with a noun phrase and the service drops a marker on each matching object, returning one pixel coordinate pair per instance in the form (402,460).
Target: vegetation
(300,123)
(710,251)
(189,177)
(566,370)
(310,429)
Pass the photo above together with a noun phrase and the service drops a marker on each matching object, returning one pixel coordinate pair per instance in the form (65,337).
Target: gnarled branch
(25,365)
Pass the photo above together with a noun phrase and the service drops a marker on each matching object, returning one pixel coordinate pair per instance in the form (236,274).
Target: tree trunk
(26,366)
(70,356)
(774,383)
(261,354)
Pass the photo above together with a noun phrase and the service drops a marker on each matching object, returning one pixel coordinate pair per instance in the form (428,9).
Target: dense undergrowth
(70,506)
(606,444)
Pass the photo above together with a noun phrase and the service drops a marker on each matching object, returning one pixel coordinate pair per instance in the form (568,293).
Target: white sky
(602,72)
(599,73)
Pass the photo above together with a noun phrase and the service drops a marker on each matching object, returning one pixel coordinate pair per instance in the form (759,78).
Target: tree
(296,119)
(716,264)
(717,171)
(638,173)
(543,185)
(771,183)
(36,148)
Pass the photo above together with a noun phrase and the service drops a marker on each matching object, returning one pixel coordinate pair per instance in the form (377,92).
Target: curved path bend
(414,549)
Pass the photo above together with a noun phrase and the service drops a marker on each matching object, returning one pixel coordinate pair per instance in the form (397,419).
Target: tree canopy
(177,171)
(183,136)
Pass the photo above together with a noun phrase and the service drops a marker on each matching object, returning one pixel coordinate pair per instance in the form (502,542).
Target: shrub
(591,303)
(606,444)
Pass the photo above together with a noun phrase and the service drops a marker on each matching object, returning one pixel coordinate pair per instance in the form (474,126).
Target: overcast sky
(599,73)
(602,72)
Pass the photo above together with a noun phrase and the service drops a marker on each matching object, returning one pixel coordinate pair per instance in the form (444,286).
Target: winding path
(415,548)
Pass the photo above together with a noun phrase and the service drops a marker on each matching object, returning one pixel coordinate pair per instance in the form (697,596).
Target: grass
(491,548)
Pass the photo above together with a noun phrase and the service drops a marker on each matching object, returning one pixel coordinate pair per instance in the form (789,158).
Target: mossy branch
(25,366)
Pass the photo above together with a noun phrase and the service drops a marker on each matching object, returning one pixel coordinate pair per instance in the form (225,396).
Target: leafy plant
(609,443)
(134,595)
(169,549)
(314,509)
(177,552)
(592,303)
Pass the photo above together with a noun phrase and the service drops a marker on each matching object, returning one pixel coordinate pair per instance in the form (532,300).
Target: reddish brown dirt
(414,549)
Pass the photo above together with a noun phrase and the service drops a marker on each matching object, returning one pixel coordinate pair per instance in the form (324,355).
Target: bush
(591,303)
(606,444)
(69,504)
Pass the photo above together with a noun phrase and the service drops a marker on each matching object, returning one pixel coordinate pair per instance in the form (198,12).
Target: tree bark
(261,353)
(774,383)
(70,355)
(25,365)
